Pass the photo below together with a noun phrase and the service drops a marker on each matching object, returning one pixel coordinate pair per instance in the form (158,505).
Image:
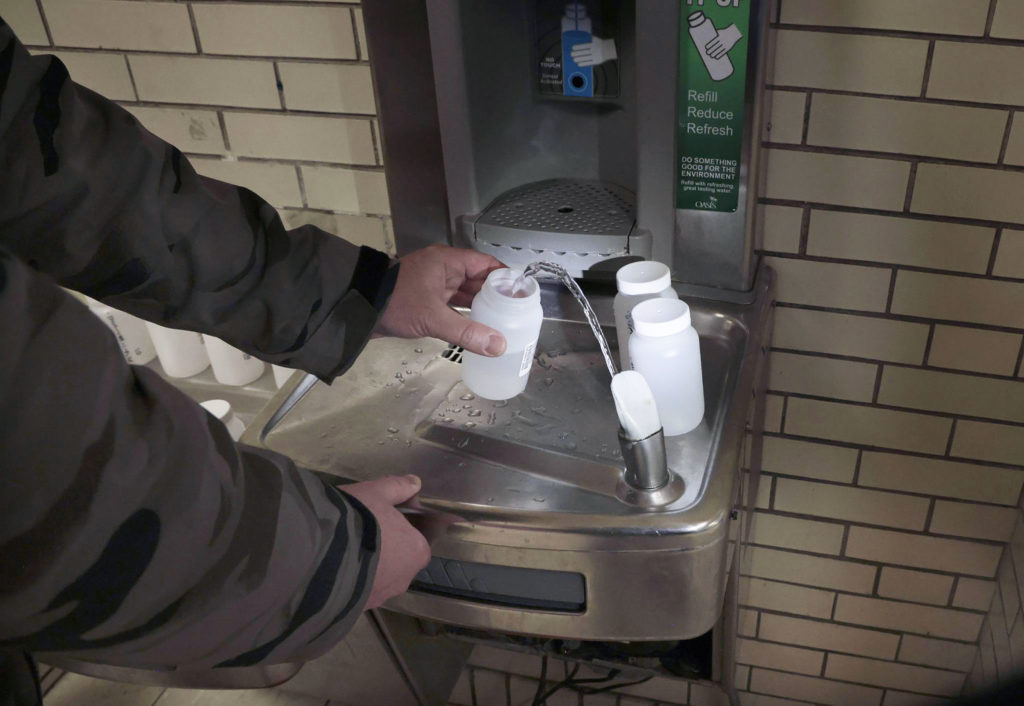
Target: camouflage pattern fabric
(133,531)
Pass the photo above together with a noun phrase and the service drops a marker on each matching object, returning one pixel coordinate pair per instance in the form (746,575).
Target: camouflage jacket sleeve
(133,531)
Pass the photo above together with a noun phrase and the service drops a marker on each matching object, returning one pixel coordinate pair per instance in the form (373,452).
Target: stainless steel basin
(543,544)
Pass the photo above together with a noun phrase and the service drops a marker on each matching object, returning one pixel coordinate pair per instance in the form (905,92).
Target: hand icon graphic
(721,44)
(595,52)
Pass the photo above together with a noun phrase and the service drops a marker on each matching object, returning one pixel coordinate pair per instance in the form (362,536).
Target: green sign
(712,80)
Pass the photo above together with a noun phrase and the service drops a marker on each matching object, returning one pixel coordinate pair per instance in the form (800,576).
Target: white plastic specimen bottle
(281,374)
(517,316)
(665,349)
(182,353)
(702,30)
(637,282)
(230,365)
(221,409)
(130,332)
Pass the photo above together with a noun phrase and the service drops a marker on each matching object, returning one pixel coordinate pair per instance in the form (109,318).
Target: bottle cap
(661,317)
(218,408)
(695,18)
(644,277)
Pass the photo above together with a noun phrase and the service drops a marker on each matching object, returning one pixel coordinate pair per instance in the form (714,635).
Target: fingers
(393,489)
(455,328)
(477,265)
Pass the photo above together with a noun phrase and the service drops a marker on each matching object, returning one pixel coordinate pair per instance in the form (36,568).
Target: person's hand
(403,550)
(428,281)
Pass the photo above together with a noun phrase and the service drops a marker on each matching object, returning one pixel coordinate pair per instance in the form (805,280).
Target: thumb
(473,336)
(396,489)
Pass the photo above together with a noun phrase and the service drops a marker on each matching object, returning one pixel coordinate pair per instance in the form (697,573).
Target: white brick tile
(939,16)
(938,653)
(1010,256)
(462,694)
(747,622)
(969,192)
(317,32)
(318,139)
(352,190)
(974,349)
(188,130)
(355,229)
(796,533)
(785,598)
(182,79)
(906,127)
(909,617)
(867,425)
(1001,443)
(331,88)
(831,284)
(118,24)
(786,122)
(889,674)
(970,520)
(489,687)
(828,636)
(1015,147)
(823,377)
(803,458)
(819,691)
(107,74)
(773,413)
(748,698)
(1008,21)
(277,183)
(809,570)
(704,695)
(886,65)
(949,479)
(23,17)
(921,551)
(836,179)
(976,72)
(850,335)
(667,691)
(900,241)
(780,227)
(968,395)
(916,586)
(848,503)
(74,689)
(965,299)
(973,593)
(774,656)
(904,698)
(357,17)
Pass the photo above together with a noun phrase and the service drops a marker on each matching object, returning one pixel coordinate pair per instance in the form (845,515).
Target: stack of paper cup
(230,365)
(182,353)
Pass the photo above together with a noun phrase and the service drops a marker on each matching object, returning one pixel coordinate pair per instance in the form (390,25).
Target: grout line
(928,517)
(782,417)
(952,591)
(995,249)
(892,290)
(874,397)
(927,68)
(131,76)
(280,87)
(856,473)
(807,118)
(928,345)
(361,53)
(46,22)
(1006,138)
(224,131)
(472,686)
(991,16)
(158,697)
(377,139)
(929,100)
(952,435)
(805,230)
(931,217)
(846,538)
(911,181)
(892,316)
(195,29)
(771,491)
(302,187)
(824,664)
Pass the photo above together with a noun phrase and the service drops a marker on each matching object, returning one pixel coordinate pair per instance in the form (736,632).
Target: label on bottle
(527,362)
(712,82)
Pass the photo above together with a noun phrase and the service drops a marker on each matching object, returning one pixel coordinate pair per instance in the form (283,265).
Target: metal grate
(453,353)
(564,206)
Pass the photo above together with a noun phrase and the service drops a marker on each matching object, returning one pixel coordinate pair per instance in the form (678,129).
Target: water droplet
(549,382)
(474,413)
(398,376)
(380,443)
(448,420)
(467,406)
(572,445)
(539,499)
(408,372)
(490,499)
(417,350)
(492,418)
(392,430)
(463,444)
(576,410)
(501,403)
(564,435)
(405,362)
(468,396)
(397,395)
(408,442)
(469,425)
